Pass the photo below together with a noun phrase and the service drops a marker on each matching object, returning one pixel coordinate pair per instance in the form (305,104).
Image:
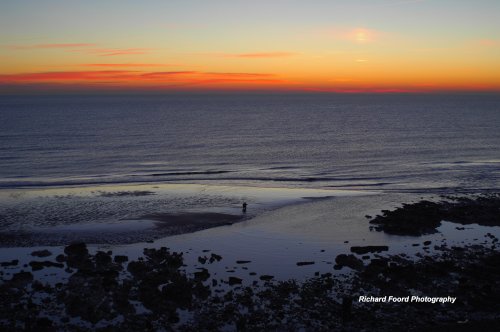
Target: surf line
(406,299)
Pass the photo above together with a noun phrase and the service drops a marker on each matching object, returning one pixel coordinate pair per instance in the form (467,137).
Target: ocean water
(390,142)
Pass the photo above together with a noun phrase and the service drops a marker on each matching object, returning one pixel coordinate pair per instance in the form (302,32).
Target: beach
(303,238)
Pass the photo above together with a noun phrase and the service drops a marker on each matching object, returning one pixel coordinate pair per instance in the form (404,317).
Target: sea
(398,142)
(313,168)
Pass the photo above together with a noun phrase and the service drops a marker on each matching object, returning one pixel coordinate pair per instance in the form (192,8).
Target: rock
(234,281)
(102,260)
(43,325)
(202,275)
(121,259)
(78,256)
(426,243)
(411,219)
(21,279)
(13,262)
(266,277)
(304,263)
(346,308)
(215,257)
(243,262)
(76,249)
(368,249)
(60,258)
(350,261)
(41,253)
(35,265)
(378,263)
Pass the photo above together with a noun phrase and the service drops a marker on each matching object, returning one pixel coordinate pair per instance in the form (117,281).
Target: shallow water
(315,231)
(119,213)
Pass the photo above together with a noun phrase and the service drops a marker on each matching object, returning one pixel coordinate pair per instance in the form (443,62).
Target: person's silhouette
(244,207)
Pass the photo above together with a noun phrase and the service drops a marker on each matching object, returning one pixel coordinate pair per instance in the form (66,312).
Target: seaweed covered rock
(411,219)
(425,216)
(350,261)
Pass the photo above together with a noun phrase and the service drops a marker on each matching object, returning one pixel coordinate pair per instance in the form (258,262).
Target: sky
(257,45)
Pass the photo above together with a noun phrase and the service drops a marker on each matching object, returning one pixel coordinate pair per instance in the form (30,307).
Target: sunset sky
(270,45)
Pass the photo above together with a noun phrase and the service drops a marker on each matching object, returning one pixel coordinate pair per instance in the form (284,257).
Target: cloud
(119,51)
(85,48)
(167,74)
(137,78)
(120,65)
(254,55)
(62,76)
(49,46)
(261,55)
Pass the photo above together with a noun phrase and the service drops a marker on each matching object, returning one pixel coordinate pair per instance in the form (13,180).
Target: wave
(190,176)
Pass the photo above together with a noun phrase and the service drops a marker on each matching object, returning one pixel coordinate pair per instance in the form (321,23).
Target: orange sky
(337,46)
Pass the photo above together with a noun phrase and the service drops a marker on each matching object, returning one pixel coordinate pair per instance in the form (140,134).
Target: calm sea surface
(394,142)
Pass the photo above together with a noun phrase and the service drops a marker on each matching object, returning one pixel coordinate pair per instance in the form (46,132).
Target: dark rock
(78,256)
(21,279)
(102,260)
(120,259)
(426,243)
(234,281)
(202,275)
(77,249)
(350,261)
(60,258)
(266,277)
(304,263)
(368,249)
(425,216)
(35,265)
(215,257)
(41,253)
(43,325)
(243,262)
(411,219)
(346,308)
(13,262)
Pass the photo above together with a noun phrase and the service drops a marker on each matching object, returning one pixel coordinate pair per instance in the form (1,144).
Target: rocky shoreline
(106,292)
(425,216)
(103,291)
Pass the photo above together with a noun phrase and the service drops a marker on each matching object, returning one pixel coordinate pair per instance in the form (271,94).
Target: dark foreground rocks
(105,293)
(425,216)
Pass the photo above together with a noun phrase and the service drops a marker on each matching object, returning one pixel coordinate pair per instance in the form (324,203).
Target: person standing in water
(244,207)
